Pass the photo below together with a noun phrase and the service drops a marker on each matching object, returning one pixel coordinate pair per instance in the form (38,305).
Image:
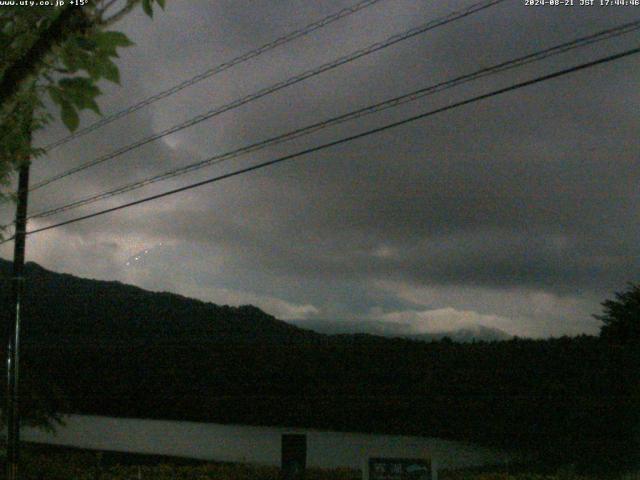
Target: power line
(350,138)
(304,31)
(396,101)
(477,7)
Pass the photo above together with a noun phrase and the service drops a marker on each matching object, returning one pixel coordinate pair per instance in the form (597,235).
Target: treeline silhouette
(110,349)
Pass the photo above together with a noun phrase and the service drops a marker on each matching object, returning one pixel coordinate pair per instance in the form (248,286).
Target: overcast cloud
(519,212)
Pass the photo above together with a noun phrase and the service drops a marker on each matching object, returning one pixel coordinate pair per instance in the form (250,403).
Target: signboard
(400,469)
(294,456)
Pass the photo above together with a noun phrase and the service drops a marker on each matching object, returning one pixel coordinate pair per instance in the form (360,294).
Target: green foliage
(15,140)
(84,465)
(59,463)
(60,52)
(621,317)
(63,53)
(147,6)
(91,55)
(19,31)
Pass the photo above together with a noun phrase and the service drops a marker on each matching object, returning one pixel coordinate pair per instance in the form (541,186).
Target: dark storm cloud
(528,197)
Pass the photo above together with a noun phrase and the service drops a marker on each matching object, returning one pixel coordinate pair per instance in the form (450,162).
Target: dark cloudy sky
(520,212)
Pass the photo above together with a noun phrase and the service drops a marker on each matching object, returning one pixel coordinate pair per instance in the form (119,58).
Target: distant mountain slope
(478,333)
(65,307)
(105,348)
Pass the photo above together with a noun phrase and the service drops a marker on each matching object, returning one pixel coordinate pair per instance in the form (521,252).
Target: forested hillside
(113,349)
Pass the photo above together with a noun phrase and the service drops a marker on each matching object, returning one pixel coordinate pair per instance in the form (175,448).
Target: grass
(39,462)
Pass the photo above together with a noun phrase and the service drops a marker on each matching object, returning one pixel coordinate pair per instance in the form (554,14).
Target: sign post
(379,468)
(294,456)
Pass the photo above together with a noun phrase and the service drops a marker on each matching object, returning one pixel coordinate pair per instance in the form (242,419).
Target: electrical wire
(343,140)
(375,108)
(477,7)
(304,31)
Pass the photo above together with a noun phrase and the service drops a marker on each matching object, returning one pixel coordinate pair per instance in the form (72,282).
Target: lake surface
(258,445)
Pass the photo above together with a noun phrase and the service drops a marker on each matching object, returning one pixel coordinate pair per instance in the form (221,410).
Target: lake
(258,445)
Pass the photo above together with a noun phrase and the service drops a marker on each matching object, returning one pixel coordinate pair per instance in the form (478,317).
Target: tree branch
(131,4)
(105,7)
(71,20)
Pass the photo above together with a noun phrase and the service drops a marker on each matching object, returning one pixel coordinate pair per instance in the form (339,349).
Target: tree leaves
(147,6)
(108,42)
(72,69)
(92,54)
(72,95)
(69,116)
(110,71)
(621,317)
(81,92)
(68,71)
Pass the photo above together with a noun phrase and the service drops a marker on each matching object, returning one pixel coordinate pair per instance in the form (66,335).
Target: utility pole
(68,21)
(13,330)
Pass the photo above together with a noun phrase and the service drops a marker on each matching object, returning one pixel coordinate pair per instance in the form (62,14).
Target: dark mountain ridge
(106,348)
(65,308)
